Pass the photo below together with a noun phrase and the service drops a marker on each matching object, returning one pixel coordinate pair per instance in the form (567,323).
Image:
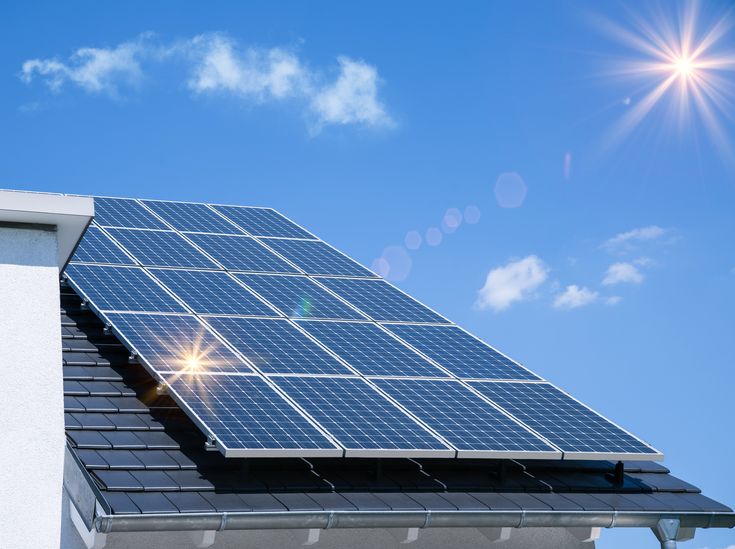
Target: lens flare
(683,65)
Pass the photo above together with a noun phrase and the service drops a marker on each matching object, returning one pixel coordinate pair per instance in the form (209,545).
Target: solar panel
(248,418)
(380,300)
(185,216)
(121,289)
(370,350)
(161,249)
(124,212)
(466,421)
(241,253)
(359,418)
(175,344)
(207,292)
(567,423)
(315,257)
(462,354)
(238,307)
(263,222)
(299,297)
(97,247)
(276,346)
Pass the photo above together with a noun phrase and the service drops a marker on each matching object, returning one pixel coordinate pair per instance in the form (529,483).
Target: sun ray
(688,69)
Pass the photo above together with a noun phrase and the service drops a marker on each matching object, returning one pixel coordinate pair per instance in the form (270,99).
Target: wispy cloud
(641,234)
(613,300)
(618,273)
(219,65)
(514,281)
(95,70)
(574,296)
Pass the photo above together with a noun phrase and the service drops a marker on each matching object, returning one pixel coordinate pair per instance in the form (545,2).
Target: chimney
(38,235)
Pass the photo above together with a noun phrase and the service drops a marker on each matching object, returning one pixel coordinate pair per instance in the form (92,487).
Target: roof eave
(405,519)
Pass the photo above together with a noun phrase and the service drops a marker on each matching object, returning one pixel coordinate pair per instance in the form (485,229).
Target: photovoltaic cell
(276,346)
(380,300)
(263,222)
(461,417)
(184,216)
(121,289)
(370,350)
(299,297)
(161,249)
(460,353)
(568,424)
(315,257)
(208,292)
(241,253)
(97,247)
(356,415)
(176,343)
(245,412)
(124,212)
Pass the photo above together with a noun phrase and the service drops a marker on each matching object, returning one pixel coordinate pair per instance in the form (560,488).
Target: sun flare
(680,64)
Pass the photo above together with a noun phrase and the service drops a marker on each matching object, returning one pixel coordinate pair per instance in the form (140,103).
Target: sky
(557,177)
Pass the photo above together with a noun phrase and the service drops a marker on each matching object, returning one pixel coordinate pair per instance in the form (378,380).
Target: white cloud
(514,281)
(728,547)
(258,74)
(641,234)
(217,64)
(618,273)
(352,98)
(613,300)
(574,296)
(96,70)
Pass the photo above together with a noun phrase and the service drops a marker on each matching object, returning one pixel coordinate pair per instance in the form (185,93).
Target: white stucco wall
(31,407)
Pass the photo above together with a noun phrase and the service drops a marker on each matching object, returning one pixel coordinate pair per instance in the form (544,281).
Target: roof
(143,457)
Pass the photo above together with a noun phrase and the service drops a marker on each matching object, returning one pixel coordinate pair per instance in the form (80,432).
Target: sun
(680,64)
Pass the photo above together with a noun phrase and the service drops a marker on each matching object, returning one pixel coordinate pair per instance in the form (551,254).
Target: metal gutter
(405,519)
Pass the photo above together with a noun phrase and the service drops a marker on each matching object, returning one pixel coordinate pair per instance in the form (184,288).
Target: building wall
(31,407)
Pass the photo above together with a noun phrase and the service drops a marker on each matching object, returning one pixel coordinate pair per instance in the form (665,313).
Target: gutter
(405,519)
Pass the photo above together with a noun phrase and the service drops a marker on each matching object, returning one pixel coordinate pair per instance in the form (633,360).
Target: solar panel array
(276,344)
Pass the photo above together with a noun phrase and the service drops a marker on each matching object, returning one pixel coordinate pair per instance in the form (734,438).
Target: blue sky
(602,259)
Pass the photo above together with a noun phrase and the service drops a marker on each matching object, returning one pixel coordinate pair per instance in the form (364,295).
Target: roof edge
(405,519)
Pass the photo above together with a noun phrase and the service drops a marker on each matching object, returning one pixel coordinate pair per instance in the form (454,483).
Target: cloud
(574,296)
(613,300)
(641,234)
(352,98)
(252,73)
(216,64)
(618,273)
(514,281)
(95,70)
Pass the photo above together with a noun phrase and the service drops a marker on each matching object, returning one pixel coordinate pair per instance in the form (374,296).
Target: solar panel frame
(213,293)
(475,417)
(277,346)
(177,252)
(252,256)
(381,301)
(427,345)
(96,246)
(311,261)
(199,218)
(279,290)
(557,409)
(117,278)
(240,214)
(327,448)
(135,216)
(200,337)
(356,415)
(371,350)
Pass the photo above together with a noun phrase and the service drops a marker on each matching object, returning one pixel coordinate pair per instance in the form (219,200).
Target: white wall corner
(32,407)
